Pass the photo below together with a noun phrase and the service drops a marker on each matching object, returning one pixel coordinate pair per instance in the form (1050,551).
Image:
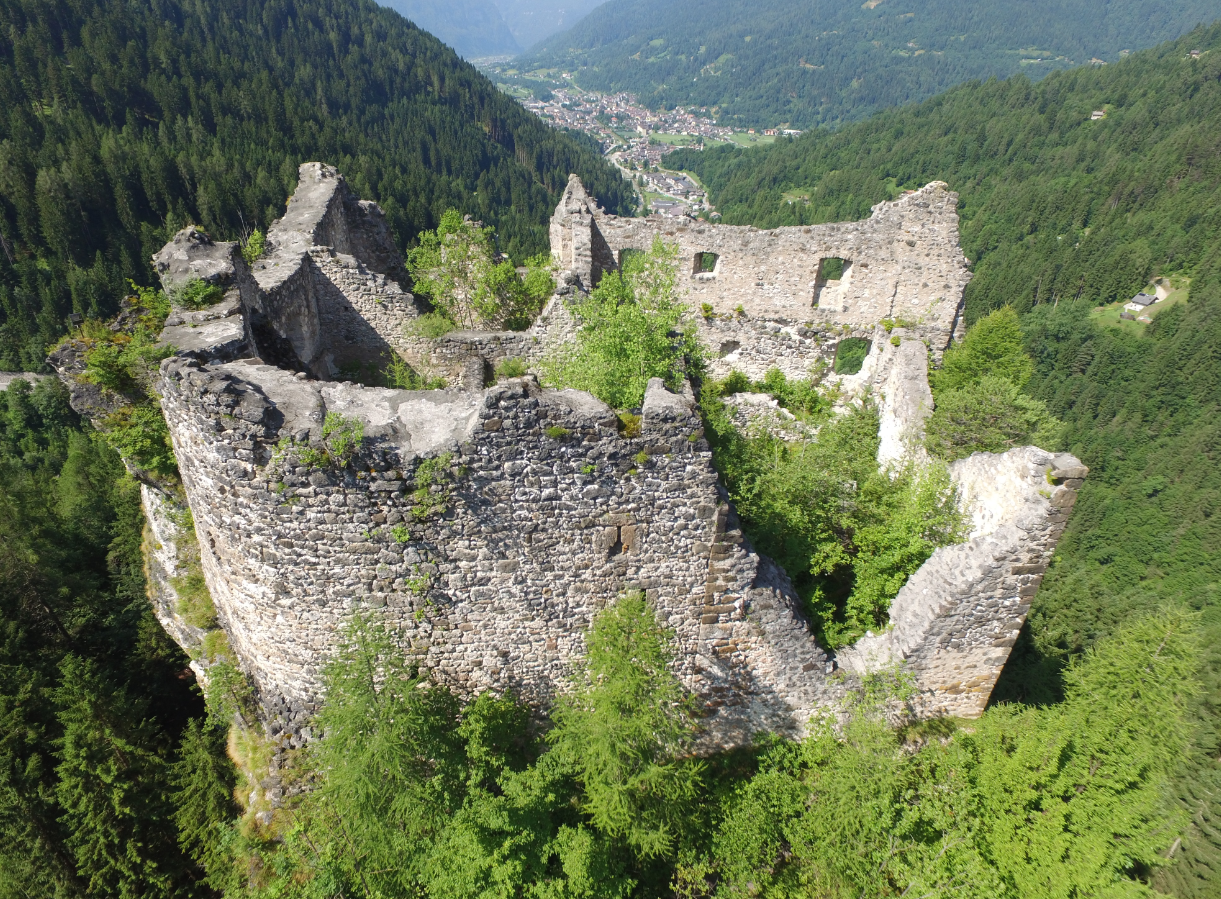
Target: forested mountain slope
(532,20)
(124,120)
(1060,214)
(824,62)
(472,27)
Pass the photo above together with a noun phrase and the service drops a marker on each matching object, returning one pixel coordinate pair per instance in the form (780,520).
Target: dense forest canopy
(94,696)
(125,120)
(1061,214)
(800,63)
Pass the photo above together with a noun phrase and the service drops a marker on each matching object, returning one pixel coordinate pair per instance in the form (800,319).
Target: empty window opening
(831,282)
(626,254)
(850,355)
(705,264)
(832,268)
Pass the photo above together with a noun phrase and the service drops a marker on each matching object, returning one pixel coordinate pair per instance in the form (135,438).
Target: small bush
(197,294)
(215,646)
(850,355)
(401,376)
(430,325)
(555,432)
(124,364)
(255,247)
(431,494)
(155,301)
(735,382)
(706,310)
(342,437)
(229,694)
(799,396)
(511,368)
(641,457)
(400,534)
(630,425)
(139,434)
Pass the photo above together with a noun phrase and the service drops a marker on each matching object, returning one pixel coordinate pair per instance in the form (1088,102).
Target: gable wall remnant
(488,525)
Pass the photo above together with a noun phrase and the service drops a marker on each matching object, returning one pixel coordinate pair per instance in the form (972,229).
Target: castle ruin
(487,525)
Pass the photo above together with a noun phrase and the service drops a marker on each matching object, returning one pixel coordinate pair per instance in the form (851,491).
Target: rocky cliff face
(487,525)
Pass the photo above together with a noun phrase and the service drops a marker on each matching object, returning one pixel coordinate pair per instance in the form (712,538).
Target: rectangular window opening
(704,264)
(626,254)
(832,278)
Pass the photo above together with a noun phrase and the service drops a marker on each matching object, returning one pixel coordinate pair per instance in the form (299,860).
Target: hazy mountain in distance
(533,20)
(475,28)
(825,62)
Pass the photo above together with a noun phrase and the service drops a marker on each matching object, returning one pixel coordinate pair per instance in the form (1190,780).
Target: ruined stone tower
(486,525)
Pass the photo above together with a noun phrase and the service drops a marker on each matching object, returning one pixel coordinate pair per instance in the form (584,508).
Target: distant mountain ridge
(481,28)
(533,20)
(474,28)
(824,62)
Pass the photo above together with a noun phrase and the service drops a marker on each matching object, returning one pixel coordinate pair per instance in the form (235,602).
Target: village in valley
(634,138)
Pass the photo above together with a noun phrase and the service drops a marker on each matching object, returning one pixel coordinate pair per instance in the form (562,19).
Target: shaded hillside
(824,62)
(472,27)
(125,120)
(1060,214)
(532,20)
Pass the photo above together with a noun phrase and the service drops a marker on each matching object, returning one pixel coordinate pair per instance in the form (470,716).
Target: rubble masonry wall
(550,511)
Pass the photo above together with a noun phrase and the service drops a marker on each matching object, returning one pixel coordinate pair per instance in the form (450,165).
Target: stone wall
(487,525)
(902,263)
(7,378)
(549,515)
(324,298)
(956,619)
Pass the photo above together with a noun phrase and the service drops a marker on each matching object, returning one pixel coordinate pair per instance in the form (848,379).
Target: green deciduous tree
(632,329)
(992,348)
(456,267)
(848,533)
(990,415)
(980,403)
